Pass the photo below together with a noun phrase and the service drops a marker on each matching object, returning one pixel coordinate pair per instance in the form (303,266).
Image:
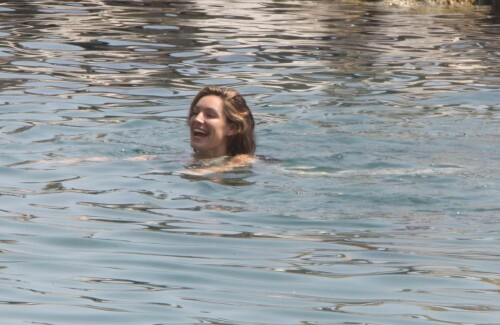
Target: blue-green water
(379,203)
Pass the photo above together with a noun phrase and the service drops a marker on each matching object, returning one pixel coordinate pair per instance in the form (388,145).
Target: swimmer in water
(221,124)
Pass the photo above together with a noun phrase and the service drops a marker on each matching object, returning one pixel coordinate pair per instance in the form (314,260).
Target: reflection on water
(375,199)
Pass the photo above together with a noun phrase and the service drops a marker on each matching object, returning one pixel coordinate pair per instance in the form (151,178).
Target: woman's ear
(231,130)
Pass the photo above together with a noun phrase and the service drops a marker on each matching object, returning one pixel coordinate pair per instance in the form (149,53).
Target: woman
(221,124)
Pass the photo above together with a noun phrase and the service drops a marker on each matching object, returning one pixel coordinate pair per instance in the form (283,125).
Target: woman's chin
(199,150)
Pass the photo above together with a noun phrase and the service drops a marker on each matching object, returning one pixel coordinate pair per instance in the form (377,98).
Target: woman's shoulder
(242,159)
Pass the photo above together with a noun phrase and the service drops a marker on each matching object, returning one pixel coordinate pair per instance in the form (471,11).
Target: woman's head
(221,123)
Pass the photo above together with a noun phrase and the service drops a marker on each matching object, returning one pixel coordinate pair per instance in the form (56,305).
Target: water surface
(378,202)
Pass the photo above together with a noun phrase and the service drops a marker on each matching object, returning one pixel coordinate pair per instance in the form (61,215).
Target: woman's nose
(198,117)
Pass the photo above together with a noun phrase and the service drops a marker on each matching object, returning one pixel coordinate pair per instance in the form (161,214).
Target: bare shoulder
(241,160)
(218,166)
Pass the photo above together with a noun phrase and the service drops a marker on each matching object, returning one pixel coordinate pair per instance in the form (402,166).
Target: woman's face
(209,128)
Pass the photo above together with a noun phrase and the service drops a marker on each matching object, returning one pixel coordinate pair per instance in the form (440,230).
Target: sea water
(375,199)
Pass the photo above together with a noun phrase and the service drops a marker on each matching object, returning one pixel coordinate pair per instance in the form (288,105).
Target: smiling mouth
(199,133)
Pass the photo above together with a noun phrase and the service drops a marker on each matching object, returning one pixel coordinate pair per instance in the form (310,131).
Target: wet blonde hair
(238,116)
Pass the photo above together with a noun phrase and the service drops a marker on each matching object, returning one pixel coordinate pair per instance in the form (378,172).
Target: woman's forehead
(210,102)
